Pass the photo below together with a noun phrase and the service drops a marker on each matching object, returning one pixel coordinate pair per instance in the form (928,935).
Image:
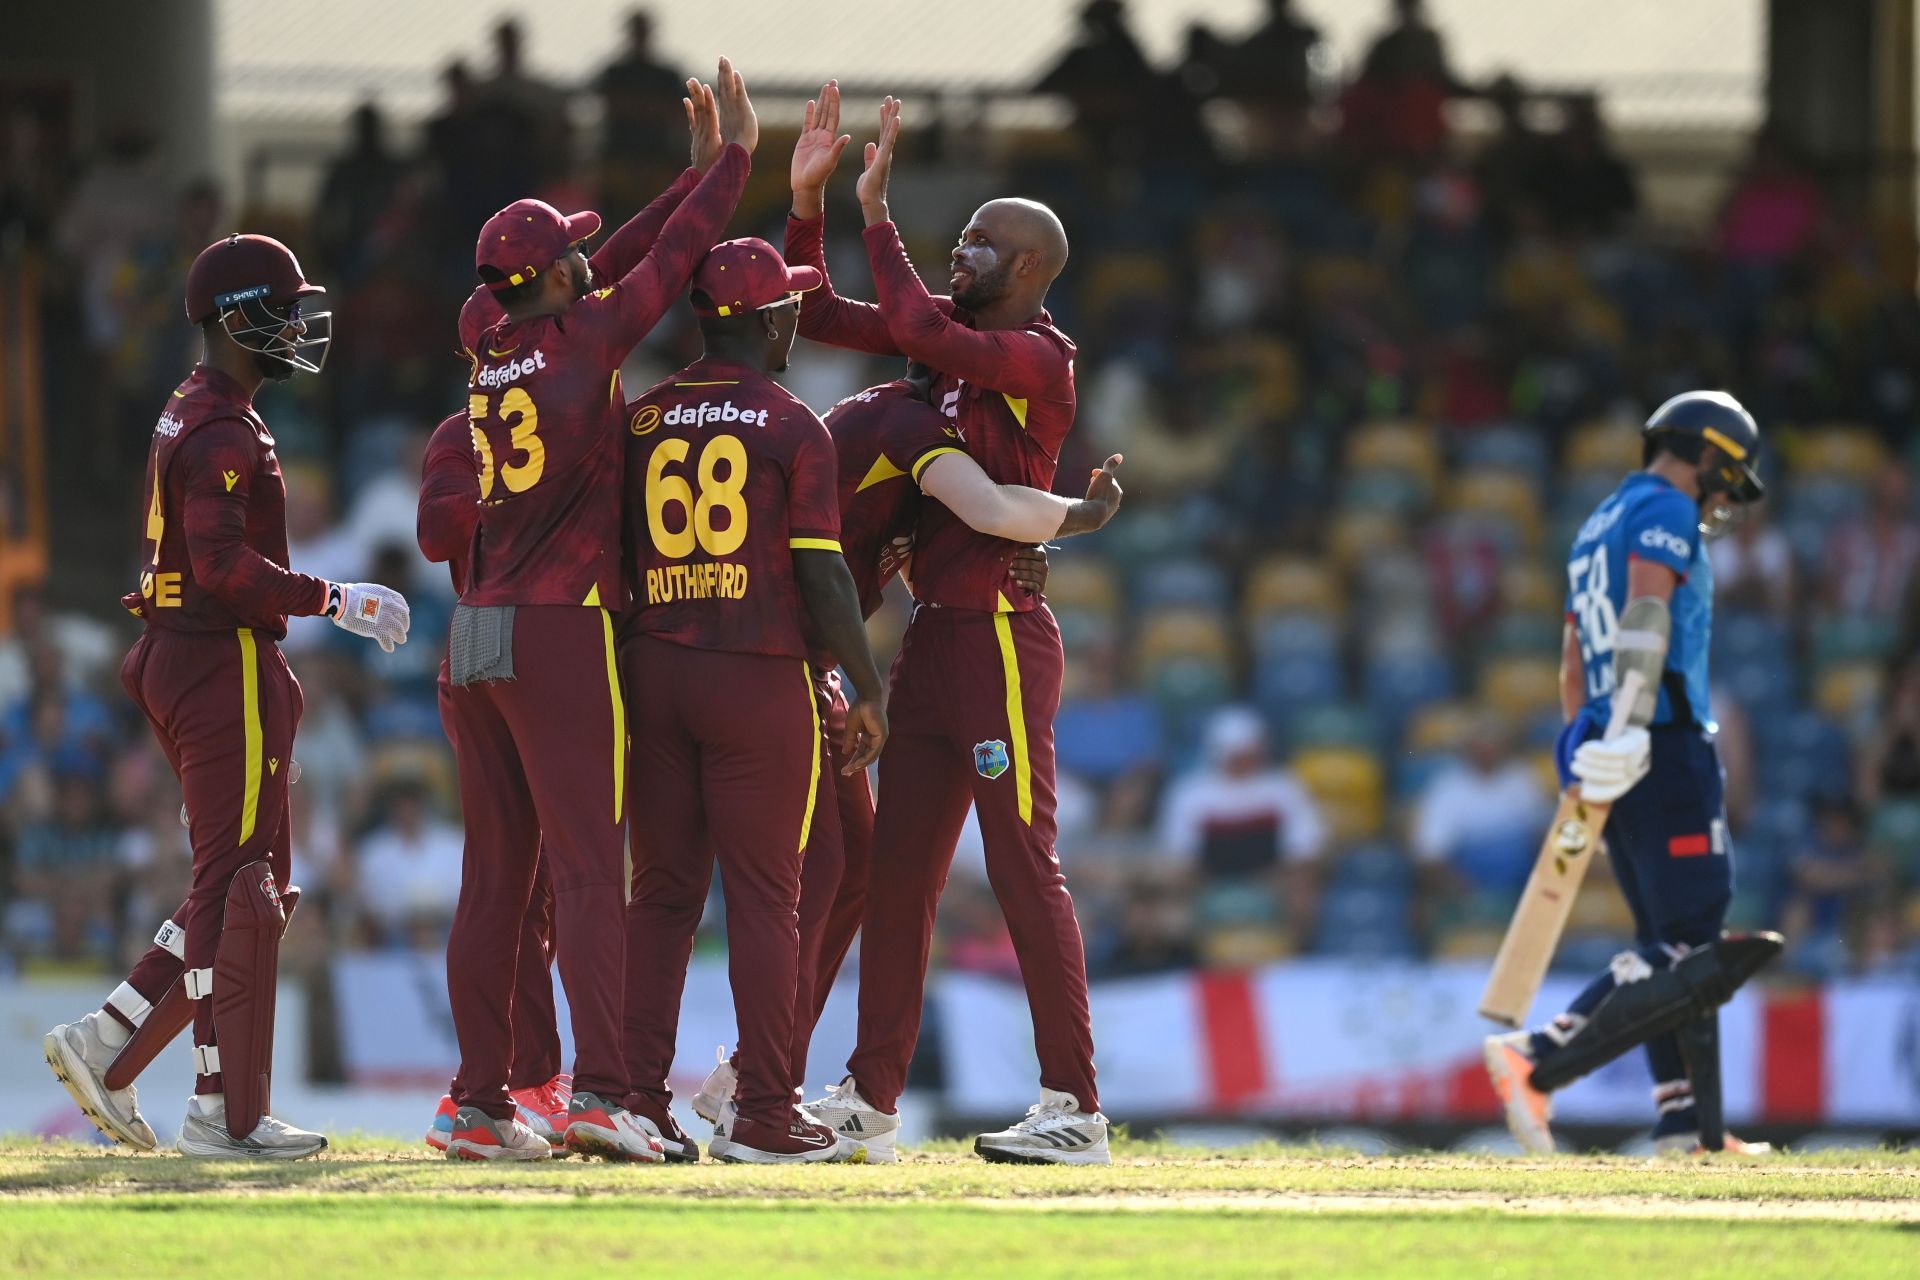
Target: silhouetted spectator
(526,107)
(1271,65)
(644,131)
(1591,189)
(1396,107)
(1126,110)
(1516,168)
(1774,209)
(357,190)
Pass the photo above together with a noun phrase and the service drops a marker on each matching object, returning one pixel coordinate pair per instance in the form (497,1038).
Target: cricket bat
(1541,917)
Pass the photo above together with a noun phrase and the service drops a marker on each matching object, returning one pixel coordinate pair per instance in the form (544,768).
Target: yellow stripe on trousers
(813,776)
(1016,717)
(250,722)
(619,721)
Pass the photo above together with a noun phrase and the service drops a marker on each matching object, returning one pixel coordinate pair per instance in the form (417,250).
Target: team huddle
(659,654)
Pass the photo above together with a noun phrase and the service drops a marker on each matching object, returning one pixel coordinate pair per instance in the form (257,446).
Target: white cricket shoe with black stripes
(851,1116)
(1056,1131)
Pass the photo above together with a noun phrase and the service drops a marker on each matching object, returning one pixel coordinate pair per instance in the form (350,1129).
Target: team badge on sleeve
(990,758)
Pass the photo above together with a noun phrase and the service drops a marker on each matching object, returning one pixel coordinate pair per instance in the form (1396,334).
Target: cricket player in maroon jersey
(734,533)
(535,684)
(977,681)
(892,446)
(449,510)
(215,594)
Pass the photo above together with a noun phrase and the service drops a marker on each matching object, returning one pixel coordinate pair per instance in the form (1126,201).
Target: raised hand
(872,187)
(816,153)
(703,122)
(735,109)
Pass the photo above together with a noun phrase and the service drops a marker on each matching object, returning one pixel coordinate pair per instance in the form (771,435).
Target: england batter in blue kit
(1640,599)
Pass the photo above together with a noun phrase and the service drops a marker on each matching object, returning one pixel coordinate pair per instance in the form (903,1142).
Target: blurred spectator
(64,859)
(1515,169)
(1239,817)
(525,110)
(1870,558)
(358,189)
(643,136)
(1834,885)
(1753,568)
(1125,110)
(1396,107)
(407,871)
(1774,208)
(1889,768)
(1592,189)
(1152,933)
(1109,735)
(1480,818)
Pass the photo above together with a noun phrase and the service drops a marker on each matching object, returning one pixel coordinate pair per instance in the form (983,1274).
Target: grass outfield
(380,1208)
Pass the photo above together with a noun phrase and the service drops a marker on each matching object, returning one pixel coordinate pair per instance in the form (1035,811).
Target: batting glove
(371,610)
(1608,767)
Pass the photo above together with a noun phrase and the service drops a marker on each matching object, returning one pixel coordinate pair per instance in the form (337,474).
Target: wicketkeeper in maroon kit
(977,681)
(215,594)
(536,698)
(734,529)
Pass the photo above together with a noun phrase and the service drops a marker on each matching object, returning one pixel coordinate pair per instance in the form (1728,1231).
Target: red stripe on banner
(1688,847)
(1236,1059)
(1793,1066)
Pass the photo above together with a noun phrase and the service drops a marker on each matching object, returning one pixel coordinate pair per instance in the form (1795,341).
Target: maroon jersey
(884,437)
(545,405)
(1010,393)
(727,476)
(449,497)
(214,540)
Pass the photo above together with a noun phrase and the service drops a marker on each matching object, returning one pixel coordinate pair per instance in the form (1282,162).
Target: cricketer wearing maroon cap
(215,593)
(541,720)
(733,526)
(977,680)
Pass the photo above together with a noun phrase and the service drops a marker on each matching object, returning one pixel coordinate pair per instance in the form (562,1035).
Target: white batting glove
(371,610)
(1609,767)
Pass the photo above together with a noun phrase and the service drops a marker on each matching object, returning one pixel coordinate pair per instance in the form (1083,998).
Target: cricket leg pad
(245,972)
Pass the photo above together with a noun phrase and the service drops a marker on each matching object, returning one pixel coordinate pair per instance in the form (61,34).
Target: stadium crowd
(1365,372)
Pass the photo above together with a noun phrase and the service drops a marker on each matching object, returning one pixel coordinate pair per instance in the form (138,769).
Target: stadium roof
(1656,61)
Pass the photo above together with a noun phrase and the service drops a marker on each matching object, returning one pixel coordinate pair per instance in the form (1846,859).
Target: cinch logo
(699,415)
(499,375)
(1658,537)
(169,426)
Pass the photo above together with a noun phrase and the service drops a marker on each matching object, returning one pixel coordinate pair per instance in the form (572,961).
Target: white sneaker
(1056,1131)
(80,1058)
(1688,1144)
(1509,1060)
(851,1116)
(738,1141)
(717,1091)
(205,1135)
(478,1136)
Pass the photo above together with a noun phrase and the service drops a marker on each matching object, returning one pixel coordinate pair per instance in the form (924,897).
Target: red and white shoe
(542,1109)
(657,1118)
(1529,1111)
(478,1136)
(596,1127)
(440,1132)
(738,1140)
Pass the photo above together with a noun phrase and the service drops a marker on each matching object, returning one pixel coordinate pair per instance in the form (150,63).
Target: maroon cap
(746,275)
(241,268)
(526,238)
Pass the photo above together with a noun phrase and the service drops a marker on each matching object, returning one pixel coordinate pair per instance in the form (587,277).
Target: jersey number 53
(1594,620)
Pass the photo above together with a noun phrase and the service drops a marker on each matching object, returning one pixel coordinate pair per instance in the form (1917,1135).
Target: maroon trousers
(974,696)
(224,706)
(727,750)
(833,880)
(536,1034)
(542,777)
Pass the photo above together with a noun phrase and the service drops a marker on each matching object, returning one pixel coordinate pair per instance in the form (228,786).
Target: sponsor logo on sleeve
(1660,539)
